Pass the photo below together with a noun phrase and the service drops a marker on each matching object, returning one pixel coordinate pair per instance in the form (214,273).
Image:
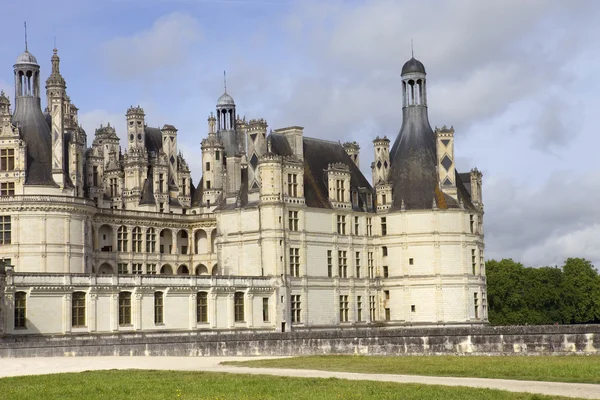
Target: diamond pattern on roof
(378,164)
(253,137)
(385,164)
(445,142)
(254,161)
(255,185)
(446,162)
(172,159)
(447,182)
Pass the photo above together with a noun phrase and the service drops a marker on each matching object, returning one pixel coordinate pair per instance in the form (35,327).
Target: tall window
(341,224)
(114,187)
(344,309)
(158,308)
(342,264)
(370,265)
(294,261)
(473,261)
(207,166)
(293,220)
(369,226)
(150,240)
(122,238)
(265,307)
(124,308)
(136,240)
(483,305)
(481,263)
(329,264)
(386,271)
(357,264)
(292,185)
(7,159)
(472,223)
(7,189)
(122,268)
(296,308)
(383,226)
(339,190)
(356,225)
(476,305)
(359,306)
(20,310)
(202,307)
(238,300)
(372,308)
(78,309)
(161,182)
(384,251)
(95,175)
(150,269)
(137,268)
(5,235)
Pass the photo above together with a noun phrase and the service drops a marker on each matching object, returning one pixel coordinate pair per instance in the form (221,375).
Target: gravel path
(37,366)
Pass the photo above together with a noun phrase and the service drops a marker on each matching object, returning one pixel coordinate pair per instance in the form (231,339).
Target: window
(217,155)
(359,308)
(137,269)
(473,261)
(342,264)
(207,166)
(483,305)
(356,225)
(476,305)
(238,301)
(122,238)
(370,265)
(161,182)
(357,264)
(7,159)
(481,263)
(113,187)
(384,251)
(413,308)
(122,268)
(158,308)
(344,308)
(341,224)
(295,303)
(383,226)
(150,240)
(124,308)
(184,189)
(372,308)
(329,264)
(369,226)
(385,271)
(136,240)
(383,199)
(202,307)
(386,293)
(20,310)
(387,314)
(7,189)
(161,207)
(95,175)
(150,269)
(293,220)
(78,309)
(208,184)
(265,306)
(5,234)
(292,185)
(294,261)
(339,190)
(472,223)
(411,261)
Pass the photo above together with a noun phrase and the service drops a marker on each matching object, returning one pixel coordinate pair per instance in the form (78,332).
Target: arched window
(202,307)
(183,270)
(238,304)
(150,240)
(78,309)
(158,308)
(122,238)
(20,310)
(136,240)
(166,270)
(201,270)
(124,308)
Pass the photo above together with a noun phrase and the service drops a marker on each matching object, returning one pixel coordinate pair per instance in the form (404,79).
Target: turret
(445,156)
(55,93)
(256,132)
(213,159)
(352,149)
(135,128)
(381,161)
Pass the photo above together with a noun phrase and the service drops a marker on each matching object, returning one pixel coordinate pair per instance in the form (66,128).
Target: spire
(225,80)
(25,35)
(412,48)
(55,78)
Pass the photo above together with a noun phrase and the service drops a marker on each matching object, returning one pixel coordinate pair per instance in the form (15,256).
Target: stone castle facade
(282,232)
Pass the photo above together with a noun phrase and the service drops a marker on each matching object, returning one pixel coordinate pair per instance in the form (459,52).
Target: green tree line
(519,295)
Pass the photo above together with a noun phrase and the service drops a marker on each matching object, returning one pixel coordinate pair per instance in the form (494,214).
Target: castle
(282,232)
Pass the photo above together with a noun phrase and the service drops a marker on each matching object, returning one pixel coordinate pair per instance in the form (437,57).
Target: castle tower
(445,155)
(55,93)
(169,147)
(136,137)
(257,147)
(352,149)
(213,159)
(4,109)
(136,159)
(381,162)
(226,123)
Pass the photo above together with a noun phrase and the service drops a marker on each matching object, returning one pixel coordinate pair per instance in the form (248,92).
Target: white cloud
(167,43)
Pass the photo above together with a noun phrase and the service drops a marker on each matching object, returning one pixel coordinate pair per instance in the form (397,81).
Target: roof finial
(412,48)
(225,80)
(54,42)
(25,35)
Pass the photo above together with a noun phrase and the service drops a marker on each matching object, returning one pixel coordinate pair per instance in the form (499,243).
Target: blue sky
(517,80)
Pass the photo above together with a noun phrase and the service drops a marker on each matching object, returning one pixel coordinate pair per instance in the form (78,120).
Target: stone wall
(517,340)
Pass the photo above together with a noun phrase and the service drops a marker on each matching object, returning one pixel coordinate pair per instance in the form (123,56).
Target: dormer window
(7,159)
(292,180)
(339,190)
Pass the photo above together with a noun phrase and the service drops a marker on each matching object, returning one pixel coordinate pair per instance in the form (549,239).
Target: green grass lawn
(161,385)
(581,369)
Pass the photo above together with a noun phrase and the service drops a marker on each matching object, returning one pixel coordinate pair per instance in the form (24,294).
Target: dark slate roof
(35,132)
(197,193)
(153,139)
(464,194)
(280,145)
(465,178)
(174,202)
(413,65)
(148,193)
(318,154)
